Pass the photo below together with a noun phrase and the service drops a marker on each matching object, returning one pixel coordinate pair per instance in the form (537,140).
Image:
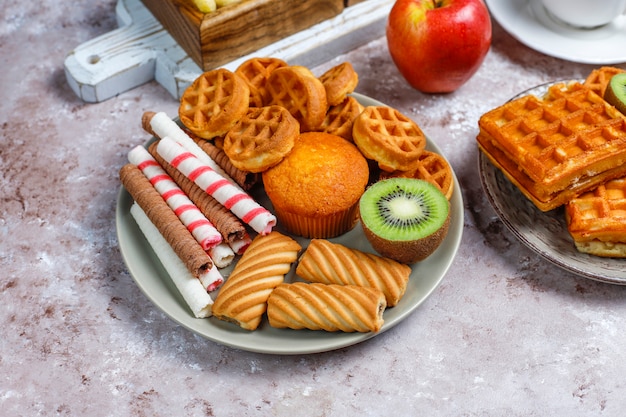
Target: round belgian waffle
(256,71)
(301,93)
(261,139)
(340,118)
(388,137)
(214,102)
(339,81)
(430,167)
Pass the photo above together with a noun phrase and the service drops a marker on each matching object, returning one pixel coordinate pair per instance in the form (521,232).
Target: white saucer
(528,21)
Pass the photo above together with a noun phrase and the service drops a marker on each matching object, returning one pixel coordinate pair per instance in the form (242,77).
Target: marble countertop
(505,334)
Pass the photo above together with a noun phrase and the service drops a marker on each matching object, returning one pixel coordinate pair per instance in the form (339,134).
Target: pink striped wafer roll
(212,279)
(222,255)
(239,246)
(198,225)
(220,188)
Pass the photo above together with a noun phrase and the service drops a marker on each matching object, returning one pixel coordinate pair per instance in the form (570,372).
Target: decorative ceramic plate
(527,21)
(543,232)
(153,280)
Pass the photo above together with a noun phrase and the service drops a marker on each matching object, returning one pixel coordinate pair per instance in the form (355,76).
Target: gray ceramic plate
(545,233)
(156,284)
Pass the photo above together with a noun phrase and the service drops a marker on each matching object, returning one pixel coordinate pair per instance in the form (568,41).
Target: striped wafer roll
(223,190)
(347,308)
(212,279)
(332,263)
(168,127)
(163,126)
(245,179)
(232,229)
(200,227)
(167,222)
(222,255)
(191,288)
(243,297)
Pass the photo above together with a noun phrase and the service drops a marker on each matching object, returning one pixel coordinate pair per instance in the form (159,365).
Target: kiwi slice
(404,219)
(615,93)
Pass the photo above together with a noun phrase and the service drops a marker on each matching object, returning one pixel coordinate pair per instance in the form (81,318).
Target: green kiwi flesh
(615,93)
(404,219)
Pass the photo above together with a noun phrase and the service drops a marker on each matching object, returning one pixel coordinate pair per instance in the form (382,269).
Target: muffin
(315,189)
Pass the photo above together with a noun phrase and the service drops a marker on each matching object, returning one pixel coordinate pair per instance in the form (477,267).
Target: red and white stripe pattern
(190,215)
(213,279)
(220,188)
(163,126)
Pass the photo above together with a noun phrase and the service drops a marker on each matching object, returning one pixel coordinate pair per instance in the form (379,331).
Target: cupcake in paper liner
(315,190)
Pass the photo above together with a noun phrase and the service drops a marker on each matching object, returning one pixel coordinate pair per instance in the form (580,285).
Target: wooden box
(214,39)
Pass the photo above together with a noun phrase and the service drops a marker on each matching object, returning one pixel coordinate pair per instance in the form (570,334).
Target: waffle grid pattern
(553,138)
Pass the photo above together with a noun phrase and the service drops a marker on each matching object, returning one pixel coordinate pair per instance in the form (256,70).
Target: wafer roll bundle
(331,263)
(162,126)
(347,308)
(229,225)
(243,297)
(200,227)
(161,215)
(223,190)
(245,179)
(194,291)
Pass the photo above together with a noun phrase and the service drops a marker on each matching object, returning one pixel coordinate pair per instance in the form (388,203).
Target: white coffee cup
(585,13)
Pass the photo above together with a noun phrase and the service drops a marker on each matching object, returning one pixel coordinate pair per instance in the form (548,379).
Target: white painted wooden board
(141,50)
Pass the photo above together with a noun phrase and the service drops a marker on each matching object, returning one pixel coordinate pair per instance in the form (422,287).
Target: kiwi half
(404,219)
(615,93)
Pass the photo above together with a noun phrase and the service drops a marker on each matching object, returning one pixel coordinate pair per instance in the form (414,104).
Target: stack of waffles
(558,149)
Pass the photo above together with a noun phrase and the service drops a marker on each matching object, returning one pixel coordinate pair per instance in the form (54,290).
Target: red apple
(438,45)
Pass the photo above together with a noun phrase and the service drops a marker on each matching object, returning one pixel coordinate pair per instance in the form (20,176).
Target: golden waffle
(557,147)
(597,219)
(347,308)
(599,79)
(214,102)
(299,91)
(256,71)
(431,167)
(242,299)
(388,137)
(261,139)
(339,81)
(331,263)
(340,118)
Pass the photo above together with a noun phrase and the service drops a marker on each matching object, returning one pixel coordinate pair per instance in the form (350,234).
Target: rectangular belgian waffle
(597,219)
(555,147)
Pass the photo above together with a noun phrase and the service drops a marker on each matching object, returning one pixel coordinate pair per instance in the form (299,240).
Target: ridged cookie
(242,299)
(331,263)
(346,308)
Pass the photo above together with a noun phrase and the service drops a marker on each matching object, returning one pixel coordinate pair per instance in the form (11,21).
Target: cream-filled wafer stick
(213,279)
(223,190)
(200,227)
(240,246)
(245,179)
(222,255)
(232,229)
(166,221)
(190,287)
(163,126)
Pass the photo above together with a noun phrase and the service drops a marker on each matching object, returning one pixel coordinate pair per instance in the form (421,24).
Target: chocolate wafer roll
(166,221)
(330,307)
(245,179)
(229,225)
